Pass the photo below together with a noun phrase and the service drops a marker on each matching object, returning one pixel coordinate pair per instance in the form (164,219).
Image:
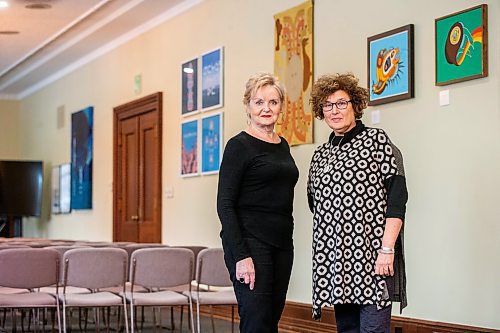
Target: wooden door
(137,171)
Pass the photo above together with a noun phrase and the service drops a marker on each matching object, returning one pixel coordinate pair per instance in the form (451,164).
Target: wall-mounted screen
(21,188)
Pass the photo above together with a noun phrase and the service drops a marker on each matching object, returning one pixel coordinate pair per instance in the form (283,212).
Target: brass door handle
(134,217)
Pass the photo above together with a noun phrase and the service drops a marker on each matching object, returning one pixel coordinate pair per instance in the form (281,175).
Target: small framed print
(189,72)
(61,189)
(189,153)
(211,143)
(462,45)
(212,83)
(390,66)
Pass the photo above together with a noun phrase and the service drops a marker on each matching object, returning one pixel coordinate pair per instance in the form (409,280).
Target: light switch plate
(444,97)
(375,117)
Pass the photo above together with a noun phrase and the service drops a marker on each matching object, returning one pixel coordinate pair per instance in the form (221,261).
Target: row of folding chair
(158,277)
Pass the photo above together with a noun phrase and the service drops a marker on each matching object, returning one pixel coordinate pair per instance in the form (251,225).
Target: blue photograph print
(211,143)
(211,80)
(82,124)
(189,156)
(390,66)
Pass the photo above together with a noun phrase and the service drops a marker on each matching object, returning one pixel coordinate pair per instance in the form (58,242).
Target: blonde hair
(259,80)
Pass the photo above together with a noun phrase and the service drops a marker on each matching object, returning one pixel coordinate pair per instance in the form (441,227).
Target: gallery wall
(451,153)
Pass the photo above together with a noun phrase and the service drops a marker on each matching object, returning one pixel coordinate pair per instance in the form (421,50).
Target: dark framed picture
(82,127)
(189,87)
(391,66)
(189,144)
(462,45)
(211,143)
(212,83)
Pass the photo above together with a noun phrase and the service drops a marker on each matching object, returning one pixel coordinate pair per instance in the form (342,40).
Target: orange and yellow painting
(293,65)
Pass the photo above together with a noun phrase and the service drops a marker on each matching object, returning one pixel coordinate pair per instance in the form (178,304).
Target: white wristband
(386,250)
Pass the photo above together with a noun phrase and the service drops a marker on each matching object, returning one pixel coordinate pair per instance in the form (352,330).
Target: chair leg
(212,318)
(198,316)
(96,320)
(172,321)
(132,318)
(191,315)
(182,313)
(13,320)
(142,317)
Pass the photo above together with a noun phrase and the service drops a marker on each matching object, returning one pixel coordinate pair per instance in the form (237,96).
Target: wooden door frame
(133,109)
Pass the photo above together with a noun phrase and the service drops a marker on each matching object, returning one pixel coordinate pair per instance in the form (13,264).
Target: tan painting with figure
(293,65)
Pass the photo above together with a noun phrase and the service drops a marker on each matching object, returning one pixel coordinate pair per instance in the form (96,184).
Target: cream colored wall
(9,129)
(452,153)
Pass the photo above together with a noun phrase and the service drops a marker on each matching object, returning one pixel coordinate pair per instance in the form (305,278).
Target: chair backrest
(161,267)
(13,246)
(211,269)
(95,268)
(62,249)
(29,268)
(130,248)
(196,250)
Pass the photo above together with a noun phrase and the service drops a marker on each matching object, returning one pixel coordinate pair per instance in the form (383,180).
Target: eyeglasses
(340,105)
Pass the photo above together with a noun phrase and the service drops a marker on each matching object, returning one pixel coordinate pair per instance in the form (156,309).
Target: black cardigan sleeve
(230,177)
(397,193)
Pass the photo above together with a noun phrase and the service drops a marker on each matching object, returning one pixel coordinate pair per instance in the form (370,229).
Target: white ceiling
(53,42)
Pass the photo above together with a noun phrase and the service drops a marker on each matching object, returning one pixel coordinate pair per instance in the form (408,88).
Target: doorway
(137,138)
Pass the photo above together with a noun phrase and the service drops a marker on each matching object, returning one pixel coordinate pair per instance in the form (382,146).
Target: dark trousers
(353,318)
(260,309)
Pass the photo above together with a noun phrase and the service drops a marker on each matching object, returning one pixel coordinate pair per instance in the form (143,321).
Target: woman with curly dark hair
(357,193)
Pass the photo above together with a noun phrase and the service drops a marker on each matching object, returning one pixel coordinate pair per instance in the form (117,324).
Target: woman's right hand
(245,272)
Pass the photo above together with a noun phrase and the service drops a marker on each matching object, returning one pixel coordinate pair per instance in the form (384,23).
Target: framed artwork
(189,154)
(211,143)
(212,74)
(65,188)
(56,188)
(391,66)
(61,189)
(293,65)
(189,87)
(462,45)
(82,124)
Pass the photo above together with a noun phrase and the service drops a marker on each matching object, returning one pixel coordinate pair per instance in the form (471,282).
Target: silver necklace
(338,144)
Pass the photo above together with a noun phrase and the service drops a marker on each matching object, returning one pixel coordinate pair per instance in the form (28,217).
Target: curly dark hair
(329,84)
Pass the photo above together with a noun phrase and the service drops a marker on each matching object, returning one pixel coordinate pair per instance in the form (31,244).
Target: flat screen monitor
(21,188)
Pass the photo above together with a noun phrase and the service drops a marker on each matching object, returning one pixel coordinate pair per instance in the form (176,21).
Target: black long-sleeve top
(255,195)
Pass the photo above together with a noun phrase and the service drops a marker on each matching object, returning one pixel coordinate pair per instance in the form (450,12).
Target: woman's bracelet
(386,250)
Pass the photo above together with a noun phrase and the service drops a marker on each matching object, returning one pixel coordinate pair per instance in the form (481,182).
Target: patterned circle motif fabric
(347,184)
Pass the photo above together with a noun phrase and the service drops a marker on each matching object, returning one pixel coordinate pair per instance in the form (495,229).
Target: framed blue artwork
(212,85)
(390,66)
(189,87)
(189,154)
(82,125)
(211,143)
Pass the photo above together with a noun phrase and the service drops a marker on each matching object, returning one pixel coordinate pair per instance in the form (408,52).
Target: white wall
(451,153)
(9,129)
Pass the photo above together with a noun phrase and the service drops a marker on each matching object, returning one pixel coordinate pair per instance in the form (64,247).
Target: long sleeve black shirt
(255,194)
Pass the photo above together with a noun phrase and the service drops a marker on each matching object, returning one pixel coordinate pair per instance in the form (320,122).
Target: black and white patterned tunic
(351,179)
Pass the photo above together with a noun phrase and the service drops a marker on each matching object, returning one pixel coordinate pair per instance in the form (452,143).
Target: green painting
(461,46)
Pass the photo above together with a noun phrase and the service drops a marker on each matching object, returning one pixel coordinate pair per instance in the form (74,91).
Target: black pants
(260,309)
(353,318)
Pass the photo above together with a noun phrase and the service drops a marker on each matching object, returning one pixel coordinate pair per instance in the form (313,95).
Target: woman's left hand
(384,264)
